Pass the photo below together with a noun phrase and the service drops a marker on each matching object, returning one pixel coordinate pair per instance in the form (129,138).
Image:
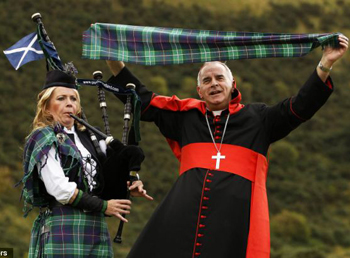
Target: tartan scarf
(37,146)
(162,46)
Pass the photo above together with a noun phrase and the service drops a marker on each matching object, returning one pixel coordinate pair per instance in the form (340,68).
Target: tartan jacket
(62,231)
(37,146)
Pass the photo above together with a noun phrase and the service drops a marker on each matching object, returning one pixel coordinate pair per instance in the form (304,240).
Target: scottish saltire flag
(24,51)
(161,46)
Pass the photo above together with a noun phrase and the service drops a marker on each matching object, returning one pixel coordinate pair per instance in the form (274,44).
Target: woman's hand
(117,208)
(136,190)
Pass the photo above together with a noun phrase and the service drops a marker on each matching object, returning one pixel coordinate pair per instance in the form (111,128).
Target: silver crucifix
(218,157)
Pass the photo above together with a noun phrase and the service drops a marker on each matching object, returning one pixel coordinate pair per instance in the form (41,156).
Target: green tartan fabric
(63,231)
(37,146)
(162,46)
(69,232)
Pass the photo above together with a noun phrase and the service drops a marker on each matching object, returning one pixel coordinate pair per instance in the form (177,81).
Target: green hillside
(258,7)
(309,175)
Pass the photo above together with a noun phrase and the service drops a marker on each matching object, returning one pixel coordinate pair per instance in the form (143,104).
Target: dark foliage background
(308,184)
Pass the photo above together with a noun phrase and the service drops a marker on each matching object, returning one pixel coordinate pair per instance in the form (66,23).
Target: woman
(63,177)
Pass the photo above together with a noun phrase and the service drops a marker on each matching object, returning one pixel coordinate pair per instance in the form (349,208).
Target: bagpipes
(115,174)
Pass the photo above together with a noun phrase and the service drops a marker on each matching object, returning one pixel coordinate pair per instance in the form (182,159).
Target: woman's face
(63,102)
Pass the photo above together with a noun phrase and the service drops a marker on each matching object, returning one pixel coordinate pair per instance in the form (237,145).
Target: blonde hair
(43,117)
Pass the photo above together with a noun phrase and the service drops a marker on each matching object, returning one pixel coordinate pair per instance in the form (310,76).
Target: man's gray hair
(230,76)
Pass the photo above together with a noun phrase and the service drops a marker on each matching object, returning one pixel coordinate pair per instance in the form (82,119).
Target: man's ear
(233,85)
(199,93)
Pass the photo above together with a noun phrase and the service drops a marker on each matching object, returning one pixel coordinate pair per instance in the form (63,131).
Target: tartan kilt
(65,231)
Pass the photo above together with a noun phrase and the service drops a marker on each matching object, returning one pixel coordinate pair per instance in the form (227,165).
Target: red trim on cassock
(175,104)
(148,104)
(248,164)
(291,109)
(329,84)
(199,215)
(175,147)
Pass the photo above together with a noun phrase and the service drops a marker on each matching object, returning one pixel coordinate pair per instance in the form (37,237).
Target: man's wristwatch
(323,68)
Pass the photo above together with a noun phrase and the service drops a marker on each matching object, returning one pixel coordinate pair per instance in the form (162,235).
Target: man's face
(215,86)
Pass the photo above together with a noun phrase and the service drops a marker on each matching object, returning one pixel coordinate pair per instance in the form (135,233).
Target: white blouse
(56,182)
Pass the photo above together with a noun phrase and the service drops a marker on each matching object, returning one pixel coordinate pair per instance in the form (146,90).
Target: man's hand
(115,66)
(331,55)
(136,190)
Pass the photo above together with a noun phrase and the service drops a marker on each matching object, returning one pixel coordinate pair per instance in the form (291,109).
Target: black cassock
(218,212)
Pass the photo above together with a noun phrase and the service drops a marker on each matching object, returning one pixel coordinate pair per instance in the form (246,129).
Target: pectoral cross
(218,157)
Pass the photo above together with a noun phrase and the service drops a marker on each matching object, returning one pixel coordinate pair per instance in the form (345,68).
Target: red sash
(245,163)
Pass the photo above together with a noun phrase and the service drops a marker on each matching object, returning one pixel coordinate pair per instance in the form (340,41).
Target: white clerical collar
(216,112)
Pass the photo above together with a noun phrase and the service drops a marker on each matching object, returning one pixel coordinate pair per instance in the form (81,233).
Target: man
(218,206)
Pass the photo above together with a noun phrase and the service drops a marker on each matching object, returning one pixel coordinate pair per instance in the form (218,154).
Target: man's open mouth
(215,92)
